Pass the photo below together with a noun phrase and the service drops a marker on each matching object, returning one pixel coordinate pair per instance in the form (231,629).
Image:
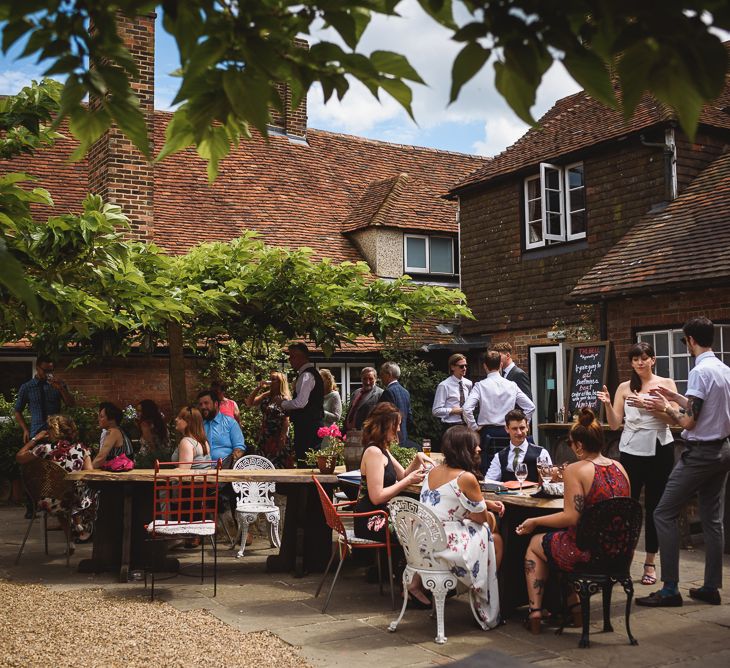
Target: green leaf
(467,63)
(520,94)
(592,73)
(131,121)
(12,276)
(395,64)
(400,92)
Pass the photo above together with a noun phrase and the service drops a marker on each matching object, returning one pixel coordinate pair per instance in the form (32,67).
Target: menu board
(588,373)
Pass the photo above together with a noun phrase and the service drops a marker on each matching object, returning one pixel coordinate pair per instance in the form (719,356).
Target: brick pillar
(117,170)
(291,121)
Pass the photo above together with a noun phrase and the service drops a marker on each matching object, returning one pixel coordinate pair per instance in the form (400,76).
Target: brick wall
(693,157)
(117,170)
(291,121)
(668,311)
(510,290)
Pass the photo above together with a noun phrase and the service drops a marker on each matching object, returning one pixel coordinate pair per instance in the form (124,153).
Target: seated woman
(591,479)
(60,444)
(474,551)
(115,442)
(193,446)
(152,427)
(382,476)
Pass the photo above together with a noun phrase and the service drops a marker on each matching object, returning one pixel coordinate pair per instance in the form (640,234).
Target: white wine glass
(521,473)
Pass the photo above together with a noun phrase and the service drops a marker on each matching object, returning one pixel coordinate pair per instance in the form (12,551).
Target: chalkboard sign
(588,373)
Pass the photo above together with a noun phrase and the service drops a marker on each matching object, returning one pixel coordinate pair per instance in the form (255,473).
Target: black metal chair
(609,530)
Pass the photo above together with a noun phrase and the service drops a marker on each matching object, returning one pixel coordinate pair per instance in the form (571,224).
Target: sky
(479,122)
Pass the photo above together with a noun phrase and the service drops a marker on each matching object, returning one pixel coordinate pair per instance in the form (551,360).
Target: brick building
(590,224)
(346,197)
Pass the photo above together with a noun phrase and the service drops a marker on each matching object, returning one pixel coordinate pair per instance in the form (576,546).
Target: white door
(546,379)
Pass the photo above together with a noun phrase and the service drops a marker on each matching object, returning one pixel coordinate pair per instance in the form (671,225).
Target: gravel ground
(44,627)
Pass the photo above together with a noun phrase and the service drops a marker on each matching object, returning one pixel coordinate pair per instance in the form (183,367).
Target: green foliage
(404,456)
(420,378)
(231,55)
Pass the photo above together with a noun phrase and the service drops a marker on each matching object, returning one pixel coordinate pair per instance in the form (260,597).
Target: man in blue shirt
(223,432)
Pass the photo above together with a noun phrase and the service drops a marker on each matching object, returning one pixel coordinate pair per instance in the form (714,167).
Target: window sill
(451,281)
(557,249)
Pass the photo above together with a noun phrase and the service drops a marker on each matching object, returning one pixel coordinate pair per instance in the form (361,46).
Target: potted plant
(330,452)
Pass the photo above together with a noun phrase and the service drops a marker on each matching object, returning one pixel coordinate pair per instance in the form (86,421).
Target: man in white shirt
(451,393)
(703,468)
(519,451)
(495,396)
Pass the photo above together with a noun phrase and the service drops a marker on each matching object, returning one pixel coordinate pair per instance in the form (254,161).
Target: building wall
(382,248)
(693,157)
(510,290)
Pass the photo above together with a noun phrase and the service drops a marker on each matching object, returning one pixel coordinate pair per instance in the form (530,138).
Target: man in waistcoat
(519,451)
(306,407)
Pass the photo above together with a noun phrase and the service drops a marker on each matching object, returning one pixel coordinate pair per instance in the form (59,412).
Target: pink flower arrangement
(333,430)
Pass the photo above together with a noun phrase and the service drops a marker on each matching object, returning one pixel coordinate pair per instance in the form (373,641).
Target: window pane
(552,179)
(553,223)
(677,345)
(662,367)
(553,200)
(661,344)
(577,199)
(535,232)
(682,386)
(533,189)
(442,256)
(416,253)
(681,368)
(578,222)
(534,210)
(575,176)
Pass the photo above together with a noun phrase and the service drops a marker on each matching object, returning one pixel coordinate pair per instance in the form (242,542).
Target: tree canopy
(232,53)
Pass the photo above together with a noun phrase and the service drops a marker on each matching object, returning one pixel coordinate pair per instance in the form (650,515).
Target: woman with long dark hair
(593,478)
(647,444)
(153,429)
(474,549)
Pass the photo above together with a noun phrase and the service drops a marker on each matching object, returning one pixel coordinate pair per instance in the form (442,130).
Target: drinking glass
(521,473)
(545,471)
(427,447)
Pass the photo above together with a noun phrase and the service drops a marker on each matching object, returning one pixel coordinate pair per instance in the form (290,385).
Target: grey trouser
(703,468)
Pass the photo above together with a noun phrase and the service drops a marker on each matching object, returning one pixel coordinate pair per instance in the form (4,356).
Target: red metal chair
(185,505)
(347,541)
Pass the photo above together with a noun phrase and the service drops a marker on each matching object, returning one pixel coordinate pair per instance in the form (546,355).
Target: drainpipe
(669,148)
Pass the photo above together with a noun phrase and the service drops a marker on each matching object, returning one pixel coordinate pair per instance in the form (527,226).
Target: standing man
(43,394)
(703,468)
(398,395)
(222,431)
(306,408)
(511,371)
(363,400)
(451,394)
(495,396)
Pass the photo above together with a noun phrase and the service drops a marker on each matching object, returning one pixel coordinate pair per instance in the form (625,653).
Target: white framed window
(346,375)
(424,254)
(14,371)
(554,202)
(673,360)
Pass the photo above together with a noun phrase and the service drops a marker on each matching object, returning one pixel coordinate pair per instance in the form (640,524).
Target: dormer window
(426,254)
(555,209)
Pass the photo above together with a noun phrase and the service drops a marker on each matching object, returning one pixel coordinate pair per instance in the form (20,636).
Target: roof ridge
(393,193)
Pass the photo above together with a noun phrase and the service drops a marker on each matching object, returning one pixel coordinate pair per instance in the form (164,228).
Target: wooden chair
(43,478)
(347,541)
(254,499)
(421,535)
(609,530)
(185,505)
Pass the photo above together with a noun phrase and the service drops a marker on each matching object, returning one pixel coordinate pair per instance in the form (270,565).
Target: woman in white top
(193,446)
(332,403)
(647,445)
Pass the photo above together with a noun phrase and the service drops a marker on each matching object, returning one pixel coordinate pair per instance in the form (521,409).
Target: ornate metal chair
(610,530)
(421,534)
(43,478)
(254,498)
(347,541)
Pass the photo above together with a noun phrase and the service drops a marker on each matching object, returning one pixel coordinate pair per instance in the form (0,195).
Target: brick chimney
(292,122)
(117,170)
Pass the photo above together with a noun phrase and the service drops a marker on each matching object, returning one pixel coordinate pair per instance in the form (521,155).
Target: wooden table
(125,506)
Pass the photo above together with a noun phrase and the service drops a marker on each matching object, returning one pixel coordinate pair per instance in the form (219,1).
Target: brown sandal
(534,624)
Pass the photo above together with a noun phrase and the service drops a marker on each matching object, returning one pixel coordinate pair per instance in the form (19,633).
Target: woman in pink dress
(225,405)
(591,479)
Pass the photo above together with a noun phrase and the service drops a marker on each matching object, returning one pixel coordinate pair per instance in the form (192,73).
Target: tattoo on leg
(529,566)
(579,502)
(539,585)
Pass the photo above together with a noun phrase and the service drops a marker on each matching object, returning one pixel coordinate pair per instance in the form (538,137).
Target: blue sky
(478,122)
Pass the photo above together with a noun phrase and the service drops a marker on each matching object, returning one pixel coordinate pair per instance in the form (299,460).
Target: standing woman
(274,435)
(647,444)
(332,402)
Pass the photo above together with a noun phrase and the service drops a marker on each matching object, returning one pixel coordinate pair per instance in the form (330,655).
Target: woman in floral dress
(473,551)
(59,444)
(274,441)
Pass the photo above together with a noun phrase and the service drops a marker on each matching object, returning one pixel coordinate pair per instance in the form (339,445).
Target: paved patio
(354,632)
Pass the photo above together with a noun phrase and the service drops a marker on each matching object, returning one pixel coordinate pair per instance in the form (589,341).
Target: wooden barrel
(353,450)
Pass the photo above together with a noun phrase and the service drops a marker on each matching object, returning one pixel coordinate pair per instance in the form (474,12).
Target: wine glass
(521,473)
(545,470)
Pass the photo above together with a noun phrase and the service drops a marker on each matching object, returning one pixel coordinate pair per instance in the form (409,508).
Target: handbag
(119,463)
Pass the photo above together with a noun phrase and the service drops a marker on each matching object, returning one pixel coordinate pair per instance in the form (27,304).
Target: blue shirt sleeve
(22,401)
(236,436)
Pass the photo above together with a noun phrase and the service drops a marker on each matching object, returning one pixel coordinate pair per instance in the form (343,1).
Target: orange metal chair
(185,505)
(347,541)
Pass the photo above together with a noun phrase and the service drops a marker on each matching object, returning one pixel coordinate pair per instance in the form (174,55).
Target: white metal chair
(421,534)
(254,498)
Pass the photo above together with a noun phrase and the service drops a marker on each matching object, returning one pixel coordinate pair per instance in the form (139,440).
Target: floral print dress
(277,450)
(82,503)
(470,546)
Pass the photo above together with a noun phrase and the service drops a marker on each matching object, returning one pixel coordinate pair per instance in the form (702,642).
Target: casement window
(346,375)
(555,209)
(673,360)
(425,254)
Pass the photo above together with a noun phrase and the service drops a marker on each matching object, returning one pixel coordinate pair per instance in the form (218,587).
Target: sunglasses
(461,366)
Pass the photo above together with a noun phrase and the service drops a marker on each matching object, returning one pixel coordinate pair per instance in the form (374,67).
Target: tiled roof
(577,122)
(298,194)
(686,243)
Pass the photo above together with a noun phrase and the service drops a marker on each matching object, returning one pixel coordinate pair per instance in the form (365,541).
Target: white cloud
(499,132)
(12,81)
